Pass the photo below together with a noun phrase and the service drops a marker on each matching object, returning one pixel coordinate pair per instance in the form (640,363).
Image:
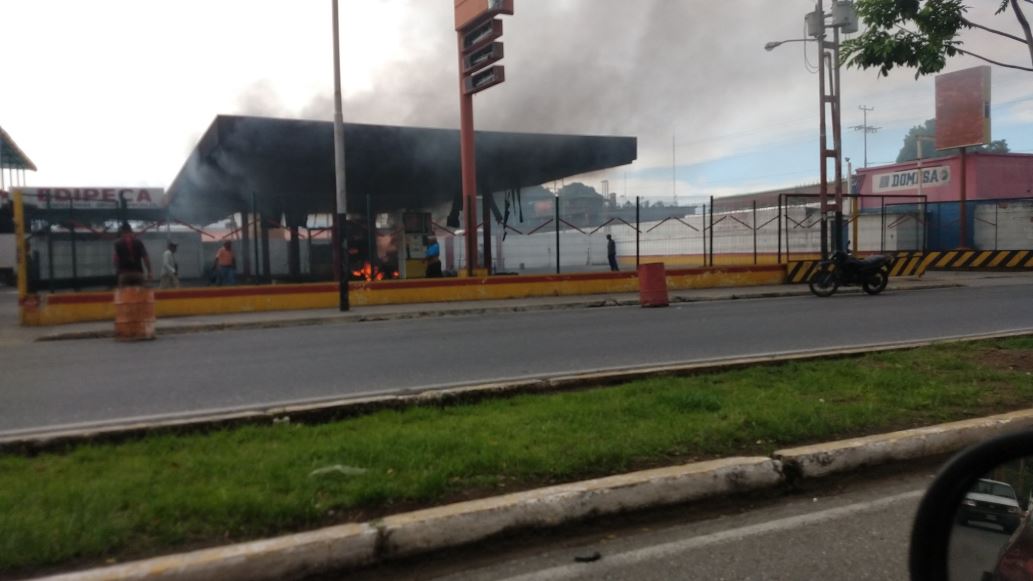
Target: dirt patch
(1015,360)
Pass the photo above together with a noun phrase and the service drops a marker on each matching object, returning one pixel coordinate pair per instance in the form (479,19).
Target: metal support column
(557,220)
(245,242)
(486,242)
(963,209)
(703,233)
(882,227)
(267,272)
(638,230)
(711,231)
(754,232)
(255,235)
(371,236)
(294,253)
(50,248)
(71,234)
(837,140)
(468,164)
(855,215)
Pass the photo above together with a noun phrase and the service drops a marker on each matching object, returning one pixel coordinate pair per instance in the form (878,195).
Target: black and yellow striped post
(917,263)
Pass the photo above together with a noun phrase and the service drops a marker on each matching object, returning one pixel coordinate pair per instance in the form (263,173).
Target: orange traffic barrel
(652,285)
(134,314)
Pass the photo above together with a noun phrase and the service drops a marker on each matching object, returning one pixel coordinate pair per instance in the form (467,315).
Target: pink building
(989,176)
(1005,177)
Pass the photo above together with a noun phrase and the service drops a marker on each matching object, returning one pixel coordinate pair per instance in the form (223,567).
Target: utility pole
(342,190)
(844,20)
(866,129)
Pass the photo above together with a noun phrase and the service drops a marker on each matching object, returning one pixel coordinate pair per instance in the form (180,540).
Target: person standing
(226,265)
(130,259)
(433,258)
(169,267)
(611,253)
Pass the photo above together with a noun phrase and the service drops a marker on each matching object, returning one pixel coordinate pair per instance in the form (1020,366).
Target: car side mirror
(970,524)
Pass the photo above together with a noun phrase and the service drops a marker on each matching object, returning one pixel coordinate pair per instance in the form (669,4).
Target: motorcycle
(872,273)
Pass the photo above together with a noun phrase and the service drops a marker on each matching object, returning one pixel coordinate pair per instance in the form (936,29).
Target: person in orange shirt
(225,265)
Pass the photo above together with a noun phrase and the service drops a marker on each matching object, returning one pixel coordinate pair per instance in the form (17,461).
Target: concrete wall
(1005,226)
(64,308)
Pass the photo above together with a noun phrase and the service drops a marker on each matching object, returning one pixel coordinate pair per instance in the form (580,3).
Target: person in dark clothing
(433,258)
(131,259)
(611,253)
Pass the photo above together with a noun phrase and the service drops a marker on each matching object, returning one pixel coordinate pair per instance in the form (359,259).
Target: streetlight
(843,16)
(773,45)
(342,189)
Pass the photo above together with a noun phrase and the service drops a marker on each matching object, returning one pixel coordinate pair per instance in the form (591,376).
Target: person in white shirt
(169,267)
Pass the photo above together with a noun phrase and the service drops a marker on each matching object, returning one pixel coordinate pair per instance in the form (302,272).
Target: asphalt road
(50,384)
(974,550)
(856,529)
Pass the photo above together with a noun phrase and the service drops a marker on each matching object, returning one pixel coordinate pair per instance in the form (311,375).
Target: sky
(117,92)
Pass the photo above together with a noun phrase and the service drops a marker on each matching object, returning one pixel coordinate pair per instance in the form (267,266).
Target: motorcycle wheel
(823,282)
(876,282)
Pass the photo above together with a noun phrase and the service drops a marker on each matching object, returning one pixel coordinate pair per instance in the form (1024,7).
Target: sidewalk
(12,334)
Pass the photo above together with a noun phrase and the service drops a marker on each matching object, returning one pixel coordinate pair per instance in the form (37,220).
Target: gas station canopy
(11,156)
(287,166)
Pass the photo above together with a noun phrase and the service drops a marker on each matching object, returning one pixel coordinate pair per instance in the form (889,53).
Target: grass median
(105,502)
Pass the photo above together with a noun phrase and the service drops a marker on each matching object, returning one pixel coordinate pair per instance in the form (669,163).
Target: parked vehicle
(843,269)
(991,502)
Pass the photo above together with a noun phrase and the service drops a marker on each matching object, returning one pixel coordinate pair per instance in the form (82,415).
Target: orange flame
(368,273)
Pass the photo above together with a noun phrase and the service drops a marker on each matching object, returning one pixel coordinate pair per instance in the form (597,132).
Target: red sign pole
(468,162)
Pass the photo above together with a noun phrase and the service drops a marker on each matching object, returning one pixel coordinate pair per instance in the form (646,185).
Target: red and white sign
(92,198)
(909,179)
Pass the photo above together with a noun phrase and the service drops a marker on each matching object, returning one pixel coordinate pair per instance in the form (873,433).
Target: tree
(923,35)
(927,131)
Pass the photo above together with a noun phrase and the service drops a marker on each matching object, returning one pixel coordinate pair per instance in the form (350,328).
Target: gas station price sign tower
(478,30)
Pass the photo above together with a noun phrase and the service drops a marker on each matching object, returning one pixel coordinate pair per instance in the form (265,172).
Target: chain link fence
(536,231)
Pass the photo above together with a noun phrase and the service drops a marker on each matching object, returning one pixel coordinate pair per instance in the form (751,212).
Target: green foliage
(909,33)
(927,131)
(164,493)
(906,33)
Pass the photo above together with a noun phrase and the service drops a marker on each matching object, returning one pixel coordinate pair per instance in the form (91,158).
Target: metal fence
(71,248)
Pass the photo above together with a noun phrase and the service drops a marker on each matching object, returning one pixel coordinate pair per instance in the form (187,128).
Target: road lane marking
(666,550)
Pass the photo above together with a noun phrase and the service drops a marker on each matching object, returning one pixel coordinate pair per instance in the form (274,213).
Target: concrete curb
(459,524)
(342,547)
(848,455)
(338,408)
(186,328)
(291,556)
(420,532)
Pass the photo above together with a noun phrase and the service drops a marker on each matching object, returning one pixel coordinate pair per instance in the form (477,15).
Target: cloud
(1020,112)
(645,68)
